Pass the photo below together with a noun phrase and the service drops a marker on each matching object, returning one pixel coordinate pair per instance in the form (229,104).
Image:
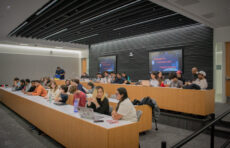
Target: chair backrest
(110,109)
(139,113)
(70,99)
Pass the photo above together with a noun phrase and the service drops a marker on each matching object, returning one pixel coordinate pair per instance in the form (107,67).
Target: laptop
(88,113)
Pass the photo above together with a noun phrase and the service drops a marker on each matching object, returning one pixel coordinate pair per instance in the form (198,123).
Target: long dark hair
(122,91)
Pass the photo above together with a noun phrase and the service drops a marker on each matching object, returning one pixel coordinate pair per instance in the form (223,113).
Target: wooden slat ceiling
(94,21)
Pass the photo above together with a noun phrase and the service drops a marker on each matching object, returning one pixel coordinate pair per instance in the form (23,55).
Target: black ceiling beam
(74,19)
(102,22)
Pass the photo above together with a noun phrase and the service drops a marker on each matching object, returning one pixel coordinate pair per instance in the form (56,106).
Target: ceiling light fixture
(111,11)
(46,7)
(17,28)
(31,48)
(63,30)
(145,21)
(84,38)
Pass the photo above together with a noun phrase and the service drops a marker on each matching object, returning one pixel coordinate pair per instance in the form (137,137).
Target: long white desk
(50,118)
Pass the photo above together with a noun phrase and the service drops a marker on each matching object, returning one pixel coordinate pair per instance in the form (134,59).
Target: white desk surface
(68,109)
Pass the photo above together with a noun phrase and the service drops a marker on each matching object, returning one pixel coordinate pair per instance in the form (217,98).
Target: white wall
(36,62)
(221,36)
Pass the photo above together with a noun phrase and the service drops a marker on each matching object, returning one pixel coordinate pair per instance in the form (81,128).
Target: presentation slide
(165,61)
(107,63)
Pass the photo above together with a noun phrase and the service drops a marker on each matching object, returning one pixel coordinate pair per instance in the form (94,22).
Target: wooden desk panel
(197,102)
(145,122)
(68,130)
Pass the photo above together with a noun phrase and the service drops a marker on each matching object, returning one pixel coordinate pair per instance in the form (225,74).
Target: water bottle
(50,98)
(75,105)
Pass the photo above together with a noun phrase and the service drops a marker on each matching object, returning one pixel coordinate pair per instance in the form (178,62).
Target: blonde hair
(95,92)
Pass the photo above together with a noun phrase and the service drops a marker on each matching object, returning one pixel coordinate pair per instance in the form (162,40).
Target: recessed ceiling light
(8,7)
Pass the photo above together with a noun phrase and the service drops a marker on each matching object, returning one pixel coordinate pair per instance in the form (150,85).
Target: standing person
(201,80)
(125,109)
(60,73)
(153,81)
(99,103)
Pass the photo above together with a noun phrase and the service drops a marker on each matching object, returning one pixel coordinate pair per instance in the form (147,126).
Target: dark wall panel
(196,42)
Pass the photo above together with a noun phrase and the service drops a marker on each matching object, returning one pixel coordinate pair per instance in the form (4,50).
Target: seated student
(80,96)
(119,80)
(63,96)
(125,76)
(76,82)
(46,82)
(53,91)
(27,85)
(16,83)
(22,85)
(39,90)
(68,84)
(194,73)
(98,77)
(91,88)
(168,80)
(113,77)
(107,78)
(84,76)
(160,78)
(125,109)
(179,76)
(99,103)
(153,81)
(175,83)
(32,87)
(201,80)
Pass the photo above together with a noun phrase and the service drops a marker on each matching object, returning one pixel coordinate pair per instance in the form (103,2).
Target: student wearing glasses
(125,109)
(99,103)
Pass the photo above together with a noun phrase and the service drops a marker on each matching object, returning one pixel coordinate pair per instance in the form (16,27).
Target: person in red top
(39,90)
(79,95)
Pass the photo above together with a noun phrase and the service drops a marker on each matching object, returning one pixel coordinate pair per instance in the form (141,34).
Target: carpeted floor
(16,132)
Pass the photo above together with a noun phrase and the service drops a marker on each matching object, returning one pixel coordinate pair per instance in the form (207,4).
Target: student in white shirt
(27,84)
(125,109)
(153,81)
(201,80)
(53,91)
